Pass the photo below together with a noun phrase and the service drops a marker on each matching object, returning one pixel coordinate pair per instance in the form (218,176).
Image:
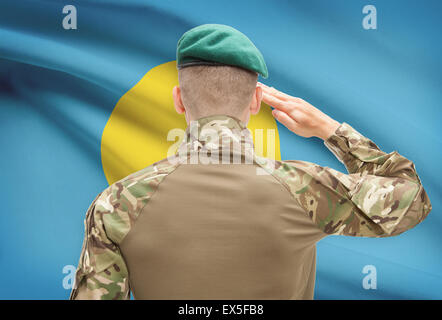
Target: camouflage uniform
(191,227)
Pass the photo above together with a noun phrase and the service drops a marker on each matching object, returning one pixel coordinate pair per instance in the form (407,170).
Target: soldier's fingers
(276,102)
(265,87)
(272,91)
(271,99)
(262,85)
(281,95)
(279,103)
(285,119)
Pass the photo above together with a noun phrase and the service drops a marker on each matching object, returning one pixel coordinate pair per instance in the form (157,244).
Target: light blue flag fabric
(59,87)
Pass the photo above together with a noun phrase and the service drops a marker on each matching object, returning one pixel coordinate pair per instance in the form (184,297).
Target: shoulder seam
(142,208)
(281,181)
(284,183)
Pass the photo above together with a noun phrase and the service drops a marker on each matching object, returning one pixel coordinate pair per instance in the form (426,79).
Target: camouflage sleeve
(102,272)
(380,196)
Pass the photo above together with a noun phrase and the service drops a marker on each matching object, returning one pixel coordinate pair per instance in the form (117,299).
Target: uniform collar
(217,133)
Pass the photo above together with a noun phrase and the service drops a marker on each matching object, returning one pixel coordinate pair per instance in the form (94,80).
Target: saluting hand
(298,115)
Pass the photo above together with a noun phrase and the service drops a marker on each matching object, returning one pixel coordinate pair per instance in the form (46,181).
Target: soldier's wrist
(327,129)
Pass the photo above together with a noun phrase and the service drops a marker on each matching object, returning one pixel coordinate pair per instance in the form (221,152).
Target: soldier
(202,229)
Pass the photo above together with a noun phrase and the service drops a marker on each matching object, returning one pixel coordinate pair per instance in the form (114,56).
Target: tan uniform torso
(221,232)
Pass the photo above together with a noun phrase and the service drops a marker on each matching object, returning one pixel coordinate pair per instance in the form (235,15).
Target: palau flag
(85,99)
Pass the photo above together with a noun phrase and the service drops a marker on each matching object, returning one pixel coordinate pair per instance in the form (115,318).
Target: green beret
(216,44)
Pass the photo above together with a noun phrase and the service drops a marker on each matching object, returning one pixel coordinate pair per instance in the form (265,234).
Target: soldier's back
(221,231)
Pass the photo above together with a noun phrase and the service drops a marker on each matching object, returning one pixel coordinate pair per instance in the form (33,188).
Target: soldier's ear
(255,105)
(179,106)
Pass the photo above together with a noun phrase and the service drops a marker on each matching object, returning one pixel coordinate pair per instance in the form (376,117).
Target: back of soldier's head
(209,90)
(218,69)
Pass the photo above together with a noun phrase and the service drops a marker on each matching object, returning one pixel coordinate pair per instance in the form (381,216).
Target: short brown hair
(210,90)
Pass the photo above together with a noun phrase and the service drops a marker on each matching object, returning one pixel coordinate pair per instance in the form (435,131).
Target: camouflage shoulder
(123,200)
(316,188)
(296,175)
(291,173)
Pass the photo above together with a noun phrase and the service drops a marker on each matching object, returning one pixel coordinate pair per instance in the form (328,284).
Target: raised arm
(381,196)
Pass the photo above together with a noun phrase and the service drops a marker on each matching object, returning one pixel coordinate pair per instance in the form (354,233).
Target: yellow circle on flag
(135,136)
